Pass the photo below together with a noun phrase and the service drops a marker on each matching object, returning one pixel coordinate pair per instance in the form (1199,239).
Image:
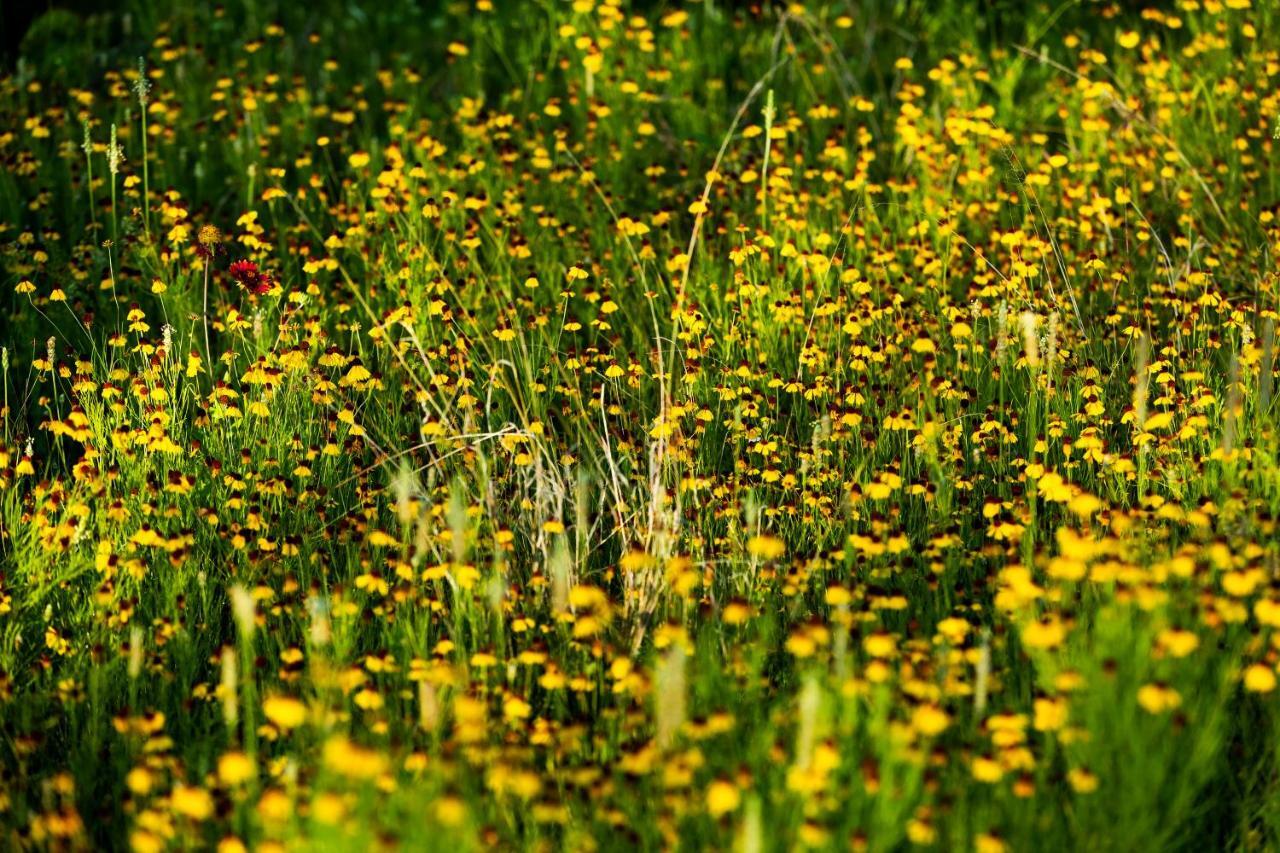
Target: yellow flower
(879,644)
(989,843)
(929,720)
(722,798)
(195,803)
(369,700)
(139,781)
(1084,505)
(1082,781)
(516,709)
(381,539)
(1178,642)
(1044,634)
(1053,488)
(1050,714)
(285,712)
(450,811)
(234,768)
(142,841)
(328,809)
(986,769)
(275,806)
(1259,678)
(347,759)
(921,832)
(1158,698)
(766,547)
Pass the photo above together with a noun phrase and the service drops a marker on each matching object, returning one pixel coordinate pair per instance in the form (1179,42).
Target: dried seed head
(142,86)
(321,632)
(1031,344)
(244,610)
(669,693)
(115,154)
(1140,380)
(230,708)
(209,236)
(1002,330)
(135,652)
(1053,338)
(428,706)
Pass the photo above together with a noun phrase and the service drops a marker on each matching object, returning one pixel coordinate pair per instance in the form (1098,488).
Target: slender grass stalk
(142,88)
(1266,369)
(244,612)
(4,368)
(204,317)
(769,115)
(115,156)
(87,147)
(1140,392)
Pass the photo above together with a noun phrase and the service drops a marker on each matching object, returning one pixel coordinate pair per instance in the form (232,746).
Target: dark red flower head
(250,277)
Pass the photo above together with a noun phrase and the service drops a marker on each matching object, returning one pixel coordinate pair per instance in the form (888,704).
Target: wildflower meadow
(475,425)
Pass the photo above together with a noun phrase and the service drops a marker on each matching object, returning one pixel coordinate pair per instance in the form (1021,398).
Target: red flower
(250,277)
